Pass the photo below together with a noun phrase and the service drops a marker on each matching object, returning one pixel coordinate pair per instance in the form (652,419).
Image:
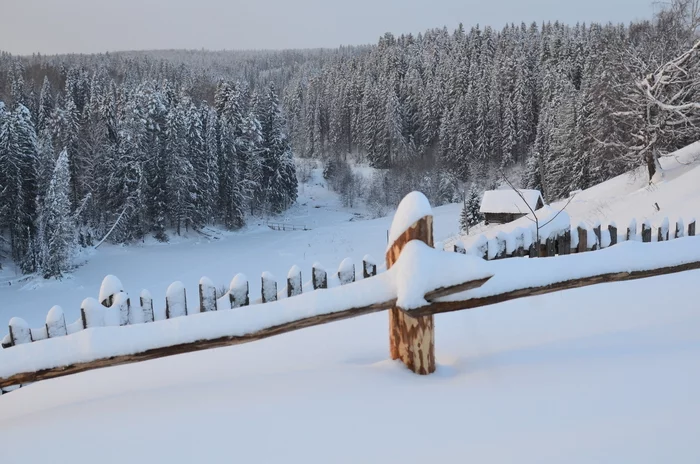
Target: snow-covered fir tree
(56,224)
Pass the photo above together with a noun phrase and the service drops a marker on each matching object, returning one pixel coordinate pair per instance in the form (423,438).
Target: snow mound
(110,286)
(414,207)
(294,272)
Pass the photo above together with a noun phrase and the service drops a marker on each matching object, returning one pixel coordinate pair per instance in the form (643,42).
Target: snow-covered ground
(608,373)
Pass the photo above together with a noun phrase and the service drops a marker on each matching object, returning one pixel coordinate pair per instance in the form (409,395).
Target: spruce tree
(56,227)
(473,206)
(464,218)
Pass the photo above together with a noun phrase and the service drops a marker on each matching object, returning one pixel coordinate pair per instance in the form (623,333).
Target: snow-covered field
(608,373)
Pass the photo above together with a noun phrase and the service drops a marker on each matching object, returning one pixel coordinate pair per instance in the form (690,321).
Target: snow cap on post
(293,272)
(55,315)
(111,285)
(414,207)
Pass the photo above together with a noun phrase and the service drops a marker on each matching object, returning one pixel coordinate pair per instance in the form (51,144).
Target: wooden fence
(114,306)
(411,329)
(523,242)
(281,226)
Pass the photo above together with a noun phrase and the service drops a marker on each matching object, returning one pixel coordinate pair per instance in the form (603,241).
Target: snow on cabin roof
(508,201)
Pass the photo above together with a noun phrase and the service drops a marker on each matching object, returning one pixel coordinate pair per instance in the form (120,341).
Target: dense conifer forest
(125,145)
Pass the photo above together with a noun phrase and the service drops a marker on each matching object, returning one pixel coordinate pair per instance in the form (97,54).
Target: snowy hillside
(628,197)
(608,373)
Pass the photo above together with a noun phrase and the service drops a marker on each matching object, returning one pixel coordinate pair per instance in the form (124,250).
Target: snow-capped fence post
(632,230)
(691,228)
(294,281)
(564,243)
(239,291)
(123,304)
(501,250)
(612,228)
(369,267)
(175,301)
(319,276)
(534,250)
(680,229)
(269,287)
(646,232)
(111,285)
(146,301)
(599,235)
(207,295)
(663,230)
(95,314)
(412,339)
(346,272)
(459,248)
(582,239)
(19,331)
(56,323)
(550,246)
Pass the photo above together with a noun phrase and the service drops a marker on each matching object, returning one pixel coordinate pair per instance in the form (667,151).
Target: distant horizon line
(277,50)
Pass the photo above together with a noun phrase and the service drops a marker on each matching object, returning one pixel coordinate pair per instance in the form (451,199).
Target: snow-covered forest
(119,147)
(125,145)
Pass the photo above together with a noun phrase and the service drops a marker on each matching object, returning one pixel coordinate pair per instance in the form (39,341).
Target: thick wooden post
(294,281)
(346,272)
(691,228)
(122,303)
(564,243)
(599,235)
(319,276)
(412,339)
(239,291)
(369,267)
(175,301)
(663,234)
(56,323)
(146,301)
(612,228)
(582,239)
(646,232)
(550,246)
(19,331)
(269,287)
(207,295)
(680,229)
(632,230)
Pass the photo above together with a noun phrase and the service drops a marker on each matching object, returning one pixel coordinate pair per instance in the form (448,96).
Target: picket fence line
(575,239)
(282,226)
(114,306)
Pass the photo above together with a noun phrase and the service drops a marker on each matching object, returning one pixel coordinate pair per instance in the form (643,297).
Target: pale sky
(87,26)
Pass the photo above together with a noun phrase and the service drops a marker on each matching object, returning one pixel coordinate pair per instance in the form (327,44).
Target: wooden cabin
(501,206)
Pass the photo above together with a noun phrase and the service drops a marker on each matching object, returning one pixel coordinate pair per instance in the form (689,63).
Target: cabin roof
(508,201)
